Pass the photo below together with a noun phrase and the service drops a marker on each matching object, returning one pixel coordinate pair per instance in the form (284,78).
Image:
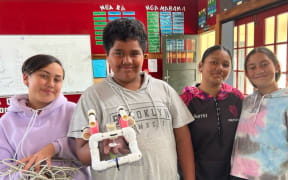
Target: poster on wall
(163,20)
(178,22)
(99,68)
(153,31)
(106,14)
(99,21)
(211,9)
(202,18)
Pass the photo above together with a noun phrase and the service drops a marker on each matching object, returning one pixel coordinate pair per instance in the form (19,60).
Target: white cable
(30,124)
(55,172)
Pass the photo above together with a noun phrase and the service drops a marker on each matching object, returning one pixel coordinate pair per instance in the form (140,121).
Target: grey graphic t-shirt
(156,108)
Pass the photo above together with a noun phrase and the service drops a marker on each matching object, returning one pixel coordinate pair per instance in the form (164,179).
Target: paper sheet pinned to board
(152,65)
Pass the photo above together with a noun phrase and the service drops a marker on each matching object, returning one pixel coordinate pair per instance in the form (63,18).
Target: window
(276,40)
(207,40)
(243,44)
(268,28)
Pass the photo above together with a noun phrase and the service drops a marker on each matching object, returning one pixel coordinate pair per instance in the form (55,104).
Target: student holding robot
(157,114)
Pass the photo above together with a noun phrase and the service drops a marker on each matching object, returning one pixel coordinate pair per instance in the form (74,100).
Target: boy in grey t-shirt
(161,117)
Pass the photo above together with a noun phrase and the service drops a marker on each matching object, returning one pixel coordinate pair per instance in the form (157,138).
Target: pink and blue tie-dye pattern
(251,123)
(251,167)
(260,146)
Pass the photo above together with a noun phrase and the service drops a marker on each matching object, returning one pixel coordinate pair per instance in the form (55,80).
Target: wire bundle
(14,170)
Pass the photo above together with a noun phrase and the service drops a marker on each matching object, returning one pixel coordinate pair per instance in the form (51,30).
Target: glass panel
(203,44)
(282,81)
(192,54)
(249,86)
(235,37)
(189,44)
(241,59)
(271,48)
(234,79)
(181,57)
(169,49)
(250,34)
(169,57)
(211,38)
(206,40)
(241,81)
(282,27)
(180,54)
(248,50)
(174,52)
(242,35)
(190,57)
(235,59)
(193,44)
(180,44)
(269,30)
(282,56)
(190,50)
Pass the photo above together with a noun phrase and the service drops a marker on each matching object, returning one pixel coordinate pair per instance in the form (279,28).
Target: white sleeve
(181,115)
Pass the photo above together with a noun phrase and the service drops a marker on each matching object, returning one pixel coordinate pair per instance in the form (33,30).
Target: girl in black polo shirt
(216,107)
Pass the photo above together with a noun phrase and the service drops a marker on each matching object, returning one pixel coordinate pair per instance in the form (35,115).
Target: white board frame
(74,51)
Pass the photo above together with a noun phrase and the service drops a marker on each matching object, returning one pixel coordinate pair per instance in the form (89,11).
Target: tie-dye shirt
(261,144)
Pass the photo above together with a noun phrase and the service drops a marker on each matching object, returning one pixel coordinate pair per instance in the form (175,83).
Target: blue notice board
(99,68)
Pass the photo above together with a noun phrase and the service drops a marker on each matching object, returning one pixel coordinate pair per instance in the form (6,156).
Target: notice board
(74,51)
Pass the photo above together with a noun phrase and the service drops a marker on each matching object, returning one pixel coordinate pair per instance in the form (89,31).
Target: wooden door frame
(246,9)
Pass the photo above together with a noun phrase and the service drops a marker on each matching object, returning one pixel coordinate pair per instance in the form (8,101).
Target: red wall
(75,16)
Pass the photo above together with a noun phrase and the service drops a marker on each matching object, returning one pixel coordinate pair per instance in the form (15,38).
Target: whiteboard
(73,51)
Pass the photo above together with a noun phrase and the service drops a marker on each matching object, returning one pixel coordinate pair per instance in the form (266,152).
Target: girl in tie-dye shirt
(261,143)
